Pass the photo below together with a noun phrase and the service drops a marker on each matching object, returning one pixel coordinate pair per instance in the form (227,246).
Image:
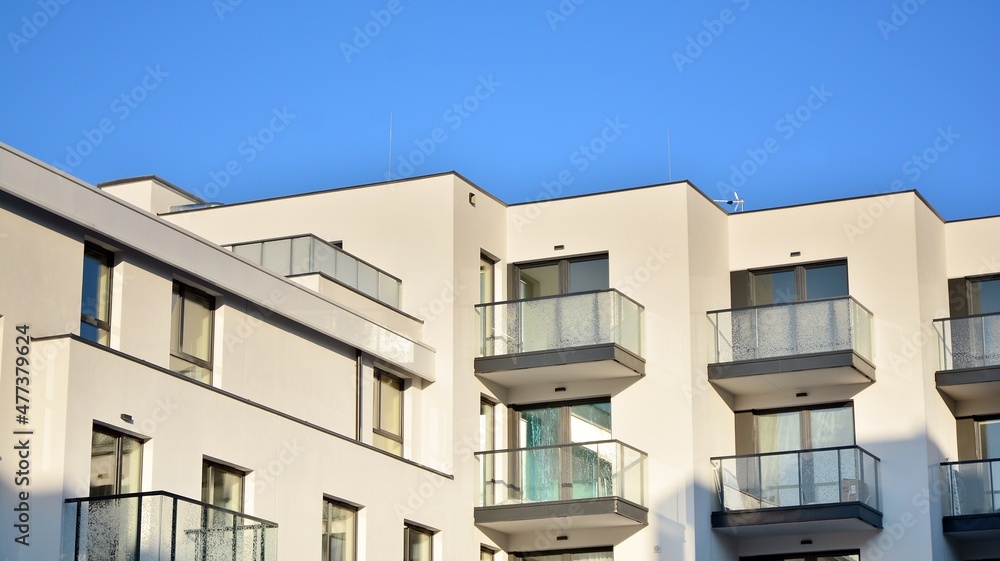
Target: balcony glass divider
(971,487)
(797,478)
(560,322)
(791,329)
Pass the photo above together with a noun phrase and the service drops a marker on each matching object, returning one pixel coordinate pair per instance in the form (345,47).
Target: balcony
(971,500)
(969,362)
(805,491)
(572,337)
(305,255)
(782,349)
(584,485)
(160,525)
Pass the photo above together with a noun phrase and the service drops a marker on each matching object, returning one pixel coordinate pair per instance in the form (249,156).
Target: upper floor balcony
(779,349)
(571,337)
(972,498)
(598,484)
(803,491)
(160,525)
(969,361)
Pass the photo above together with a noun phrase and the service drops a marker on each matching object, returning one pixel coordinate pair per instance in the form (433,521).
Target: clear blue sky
(783,101)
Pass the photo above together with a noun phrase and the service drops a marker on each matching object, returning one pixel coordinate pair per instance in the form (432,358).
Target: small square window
(222,486)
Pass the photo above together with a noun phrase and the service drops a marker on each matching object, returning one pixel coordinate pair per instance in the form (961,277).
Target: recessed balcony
(969,361)
(782,349)
(572,337)
(804,491)
(972,499)
(583,485)
(161,525)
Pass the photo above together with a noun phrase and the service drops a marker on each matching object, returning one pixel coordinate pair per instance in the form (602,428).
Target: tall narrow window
(222,486)
(115,463)
(486,554)
(191,333)
(417,543)
(487,442)
(340,531)
(388,413)
(989,439)
(95,304)
(486,279)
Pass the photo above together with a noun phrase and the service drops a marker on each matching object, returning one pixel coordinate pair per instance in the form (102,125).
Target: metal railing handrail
(567,445)
(798,302)
(322,241)
(966,462)
(566,295)
(790,452)
(174,496)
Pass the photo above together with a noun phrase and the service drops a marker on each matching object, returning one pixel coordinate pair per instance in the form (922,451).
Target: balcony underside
(796,520)
(970,385)
(973,526)
(595,362)
(578,514)
(844,372)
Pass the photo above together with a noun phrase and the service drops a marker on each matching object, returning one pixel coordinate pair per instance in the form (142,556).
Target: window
(566,276)
(604,554)
(115,463)
(974,295)
(487,441)
(222,486)
(388,413)
(804,429)
(417,543)
(486,279)
(340,531)
(989,438)
(554,472)
(95,304)
(486,554)
(191,333)
(789,284)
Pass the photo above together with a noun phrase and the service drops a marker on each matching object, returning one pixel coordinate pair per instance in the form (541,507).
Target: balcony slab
(798,520)
(578,514)
(595,362)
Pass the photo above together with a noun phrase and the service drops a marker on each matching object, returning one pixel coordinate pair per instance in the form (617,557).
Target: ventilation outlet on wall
(795,253)
(127,418)
(561,389)
(802,394)
(559,247)
(472,199)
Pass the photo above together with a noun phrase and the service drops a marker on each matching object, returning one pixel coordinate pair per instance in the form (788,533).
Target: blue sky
(783,101)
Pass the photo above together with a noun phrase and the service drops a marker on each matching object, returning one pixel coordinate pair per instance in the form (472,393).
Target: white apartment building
(416,370)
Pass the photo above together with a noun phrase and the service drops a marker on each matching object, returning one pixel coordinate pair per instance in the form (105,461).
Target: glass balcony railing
(586,470)
(798,328)
(971,487)
(309,254)
(968,342)
(799,478)
(560,322)
(160,525)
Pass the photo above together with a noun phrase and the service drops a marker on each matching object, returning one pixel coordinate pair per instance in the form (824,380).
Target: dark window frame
(805,422)
(521,554)
(376,413)
(799,270)
(214,465)
(182,290)
(417,528)
(118,435)
(327,500)
(563,268)
(107,259)
(810,556)
(960,291)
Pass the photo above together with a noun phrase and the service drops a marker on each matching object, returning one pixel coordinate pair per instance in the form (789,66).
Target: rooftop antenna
(736,202)
(388,173)
(670,173)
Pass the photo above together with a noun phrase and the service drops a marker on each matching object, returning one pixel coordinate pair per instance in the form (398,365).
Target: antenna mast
(736,202)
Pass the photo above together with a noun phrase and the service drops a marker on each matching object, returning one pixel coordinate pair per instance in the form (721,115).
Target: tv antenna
(736,202)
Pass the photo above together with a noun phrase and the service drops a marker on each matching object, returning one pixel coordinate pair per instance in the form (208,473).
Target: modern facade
(416,370)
